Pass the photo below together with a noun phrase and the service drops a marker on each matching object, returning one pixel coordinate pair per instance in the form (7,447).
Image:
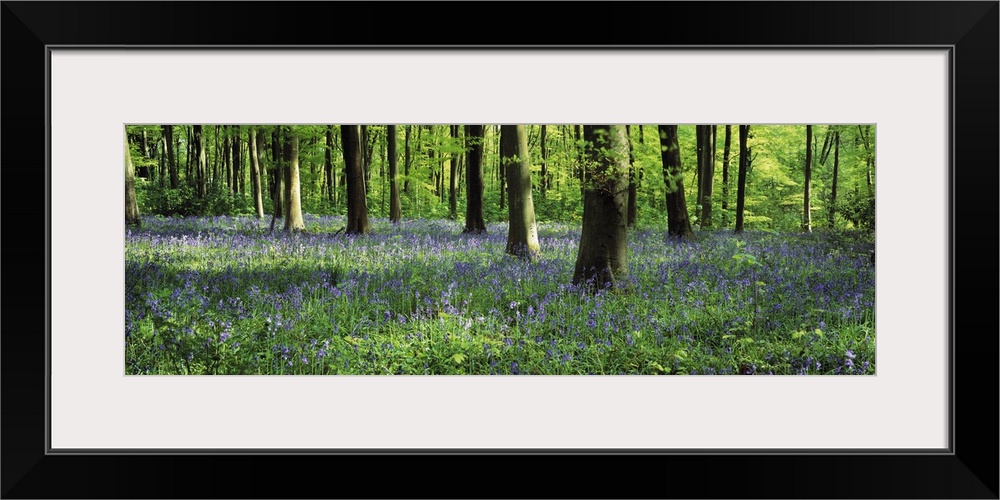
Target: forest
(500,249)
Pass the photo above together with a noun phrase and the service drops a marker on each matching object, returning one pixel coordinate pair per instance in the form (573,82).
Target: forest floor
(223,296)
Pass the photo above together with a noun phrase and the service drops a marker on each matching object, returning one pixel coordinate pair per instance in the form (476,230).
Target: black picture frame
(968,470)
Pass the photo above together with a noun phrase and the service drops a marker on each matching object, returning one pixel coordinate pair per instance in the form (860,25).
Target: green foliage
(774,182)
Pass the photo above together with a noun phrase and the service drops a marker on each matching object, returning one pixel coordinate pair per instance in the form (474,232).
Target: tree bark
(678,222)
(235,143)
(168,134)
(258,198)
(707,178)
(131,203)
(522,234)
(725,167)
(453,178)
(602,257)
(741,182)
(278,185)
(331,187)
(406,160)
(357,203)
(543,185)
(806,215)
(474,222)
(199,148)
(633,209)
(395,206)
(293,201)
(836,167)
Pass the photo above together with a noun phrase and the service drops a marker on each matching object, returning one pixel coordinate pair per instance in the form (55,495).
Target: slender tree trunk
(258,198)
(227,156)
(578,155)
(235,144)
(199,147)
(501,178)
(707,178)
(215,159)
(603,253)
(522,235)
(168,134)
(293,201)
(328,168)
(633,209)
(741,181)
(262,166)
(395,206)
(453,179)
(131,203)
(725,167)
(702,151)
(474,222)
(406,160)
(357,204)
(678,222)
(836,167)
(162,174)
(279,176)
(543,185)
(806,215)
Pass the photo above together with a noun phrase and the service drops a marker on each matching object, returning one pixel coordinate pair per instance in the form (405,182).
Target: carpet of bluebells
(224,296)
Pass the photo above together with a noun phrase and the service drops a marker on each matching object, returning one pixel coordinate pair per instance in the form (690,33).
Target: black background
(971,472)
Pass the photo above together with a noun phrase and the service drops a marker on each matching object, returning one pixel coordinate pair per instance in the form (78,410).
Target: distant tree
(603,253)
(522,235)
(293,197)
(168,138)
(543,183)
(678,222)
(406,160)
(258,200)
(725,167)
(707,177)
(278,176)
(633,208)
(836,167)
(741,183)
(806,216)
(453,178)
(395,207)
(131,205)
(474,223)
(357,203)
(200,169)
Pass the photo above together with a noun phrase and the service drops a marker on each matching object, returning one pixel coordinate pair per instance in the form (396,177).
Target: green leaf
(458,358)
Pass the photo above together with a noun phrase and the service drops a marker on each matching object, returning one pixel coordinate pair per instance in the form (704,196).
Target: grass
(223,296)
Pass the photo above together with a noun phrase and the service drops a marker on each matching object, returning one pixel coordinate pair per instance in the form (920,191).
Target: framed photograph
(919,79)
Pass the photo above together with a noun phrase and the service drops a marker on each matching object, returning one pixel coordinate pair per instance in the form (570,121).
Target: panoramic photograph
(536,249)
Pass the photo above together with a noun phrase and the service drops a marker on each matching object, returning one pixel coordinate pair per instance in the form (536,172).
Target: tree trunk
(278,185)
(258,198)
(725,167)
(701,150)
(581,172)
(357,203)
(293,201)
(522,234)
(741,181)
(328,167)
(633,209)
(678,222)
(836,167)
(602,257)
(199,148)
(543,185)
(227,156)
(453,179)
(406,159)
(707,178)
(235,144)
(474,180)
(168,134)
(806,215)
(395,206)
(131,203)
